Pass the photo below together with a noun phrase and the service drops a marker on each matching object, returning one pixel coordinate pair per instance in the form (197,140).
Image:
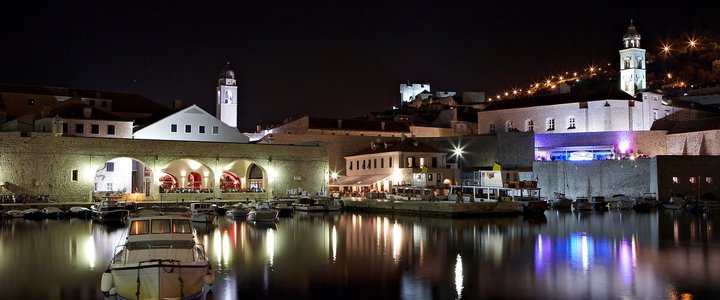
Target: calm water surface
(562,255)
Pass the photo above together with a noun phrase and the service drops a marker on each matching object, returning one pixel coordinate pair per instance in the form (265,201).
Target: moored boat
(262,213)
(159,260)
(109,210)
(15,213)
(620,201)
(52,212)
(79,212)
(202,212)
(561,202)
(582,203)
(33,213)
(238,211)
(598,203)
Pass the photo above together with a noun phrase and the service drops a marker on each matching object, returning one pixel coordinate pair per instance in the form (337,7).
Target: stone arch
(257,177)
(243,176)
(190,174)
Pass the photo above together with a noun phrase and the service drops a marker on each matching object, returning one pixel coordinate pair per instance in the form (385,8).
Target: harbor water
(558,255)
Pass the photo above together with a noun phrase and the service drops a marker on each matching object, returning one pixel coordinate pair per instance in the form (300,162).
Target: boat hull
(159,280)
(203,217)
(262,215)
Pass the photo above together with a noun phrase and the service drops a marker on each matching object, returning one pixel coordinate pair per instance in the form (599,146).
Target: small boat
(330,204)
(582,203)
(646,202)
(561,202)
(15,213)
(159,260)
(220,210)
(284,210)
(262,213)
(238,211)
(202,212)
(620,201)
(79,212)
(675,202)
(52,212)
(109,210)
(598,203)
(33,214)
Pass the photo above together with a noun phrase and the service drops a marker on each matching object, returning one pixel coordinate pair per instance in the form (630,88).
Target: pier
(434,208)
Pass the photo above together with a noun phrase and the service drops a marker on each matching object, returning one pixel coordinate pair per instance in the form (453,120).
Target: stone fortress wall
(64,167)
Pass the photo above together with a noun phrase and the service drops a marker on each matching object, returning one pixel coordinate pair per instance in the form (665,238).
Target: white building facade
(227,103)
(191,124)
(408,92)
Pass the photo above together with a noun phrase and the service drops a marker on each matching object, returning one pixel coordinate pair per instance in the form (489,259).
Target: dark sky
(322,58)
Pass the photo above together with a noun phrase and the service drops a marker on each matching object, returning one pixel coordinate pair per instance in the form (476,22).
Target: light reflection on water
(350,255)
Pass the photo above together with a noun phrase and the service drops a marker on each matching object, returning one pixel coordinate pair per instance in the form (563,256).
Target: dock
(434,208)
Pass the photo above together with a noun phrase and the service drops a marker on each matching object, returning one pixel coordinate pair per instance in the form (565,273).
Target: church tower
(227,98)
(632,63)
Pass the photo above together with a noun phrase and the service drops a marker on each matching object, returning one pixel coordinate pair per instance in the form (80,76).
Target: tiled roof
(77,111)
(408,145)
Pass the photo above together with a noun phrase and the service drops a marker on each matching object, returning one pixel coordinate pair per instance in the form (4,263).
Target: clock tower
(227,98)
(632,63)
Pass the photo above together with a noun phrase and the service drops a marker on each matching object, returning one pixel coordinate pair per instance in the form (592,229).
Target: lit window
(708,179)
(693,179)
(675,179)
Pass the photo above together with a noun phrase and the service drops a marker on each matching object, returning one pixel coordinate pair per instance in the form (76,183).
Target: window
(655,114)
(92,102)
(160,226)
(173,127)
(215,130)
(492,128)
(110,166)
(375,163)
(434,162)
(201,129)
(382,163)
(508,126)
(111,130)
(357,165)
(529,126)
(104,103)
(65,127)
(79,128)
(351,165)
(188,128)
(429,177)
(708,179)
(140,227)
(423,162)
(693,179)
(390,163)
(109,186)
(181,226)
(571,122)
(74,175)
(675,179)
(95,129)
(550,124)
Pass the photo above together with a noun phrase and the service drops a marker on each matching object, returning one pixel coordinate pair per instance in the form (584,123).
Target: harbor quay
(434,208)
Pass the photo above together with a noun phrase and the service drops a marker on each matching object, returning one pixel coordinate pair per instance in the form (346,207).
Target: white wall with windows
(191,124)
(590,116)
(86,127)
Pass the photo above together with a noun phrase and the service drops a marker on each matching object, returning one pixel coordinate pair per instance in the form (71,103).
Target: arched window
(550,124)
(508,126)
(626,63)
(529,125)
(492,128)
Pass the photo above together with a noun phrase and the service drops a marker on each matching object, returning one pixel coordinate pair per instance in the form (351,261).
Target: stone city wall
(65,167)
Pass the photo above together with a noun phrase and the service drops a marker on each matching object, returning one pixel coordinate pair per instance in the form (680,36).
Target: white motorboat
(262,213)
(159,260)
(202,212)
(80,212)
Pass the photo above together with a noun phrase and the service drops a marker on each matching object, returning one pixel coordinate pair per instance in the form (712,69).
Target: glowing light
(623,146)
(458,276)
(272,174)
(89,251)
(669,75)
(193,164)
(666,49)
(397,176)
(334,175)
(692,42)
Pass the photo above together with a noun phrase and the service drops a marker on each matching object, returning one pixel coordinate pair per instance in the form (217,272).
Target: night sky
(321,58)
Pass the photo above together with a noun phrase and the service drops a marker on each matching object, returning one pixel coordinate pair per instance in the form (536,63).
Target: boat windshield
(160,226)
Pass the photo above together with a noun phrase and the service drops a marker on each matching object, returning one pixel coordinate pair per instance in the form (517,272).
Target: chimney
(382,125)
(339,123)
(87,112)
(258,128)
(176,104)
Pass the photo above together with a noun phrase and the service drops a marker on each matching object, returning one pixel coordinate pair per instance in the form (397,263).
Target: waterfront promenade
(434,208)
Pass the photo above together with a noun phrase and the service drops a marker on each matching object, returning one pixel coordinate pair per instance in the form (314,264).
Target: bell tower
(227,97)
(632,62)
